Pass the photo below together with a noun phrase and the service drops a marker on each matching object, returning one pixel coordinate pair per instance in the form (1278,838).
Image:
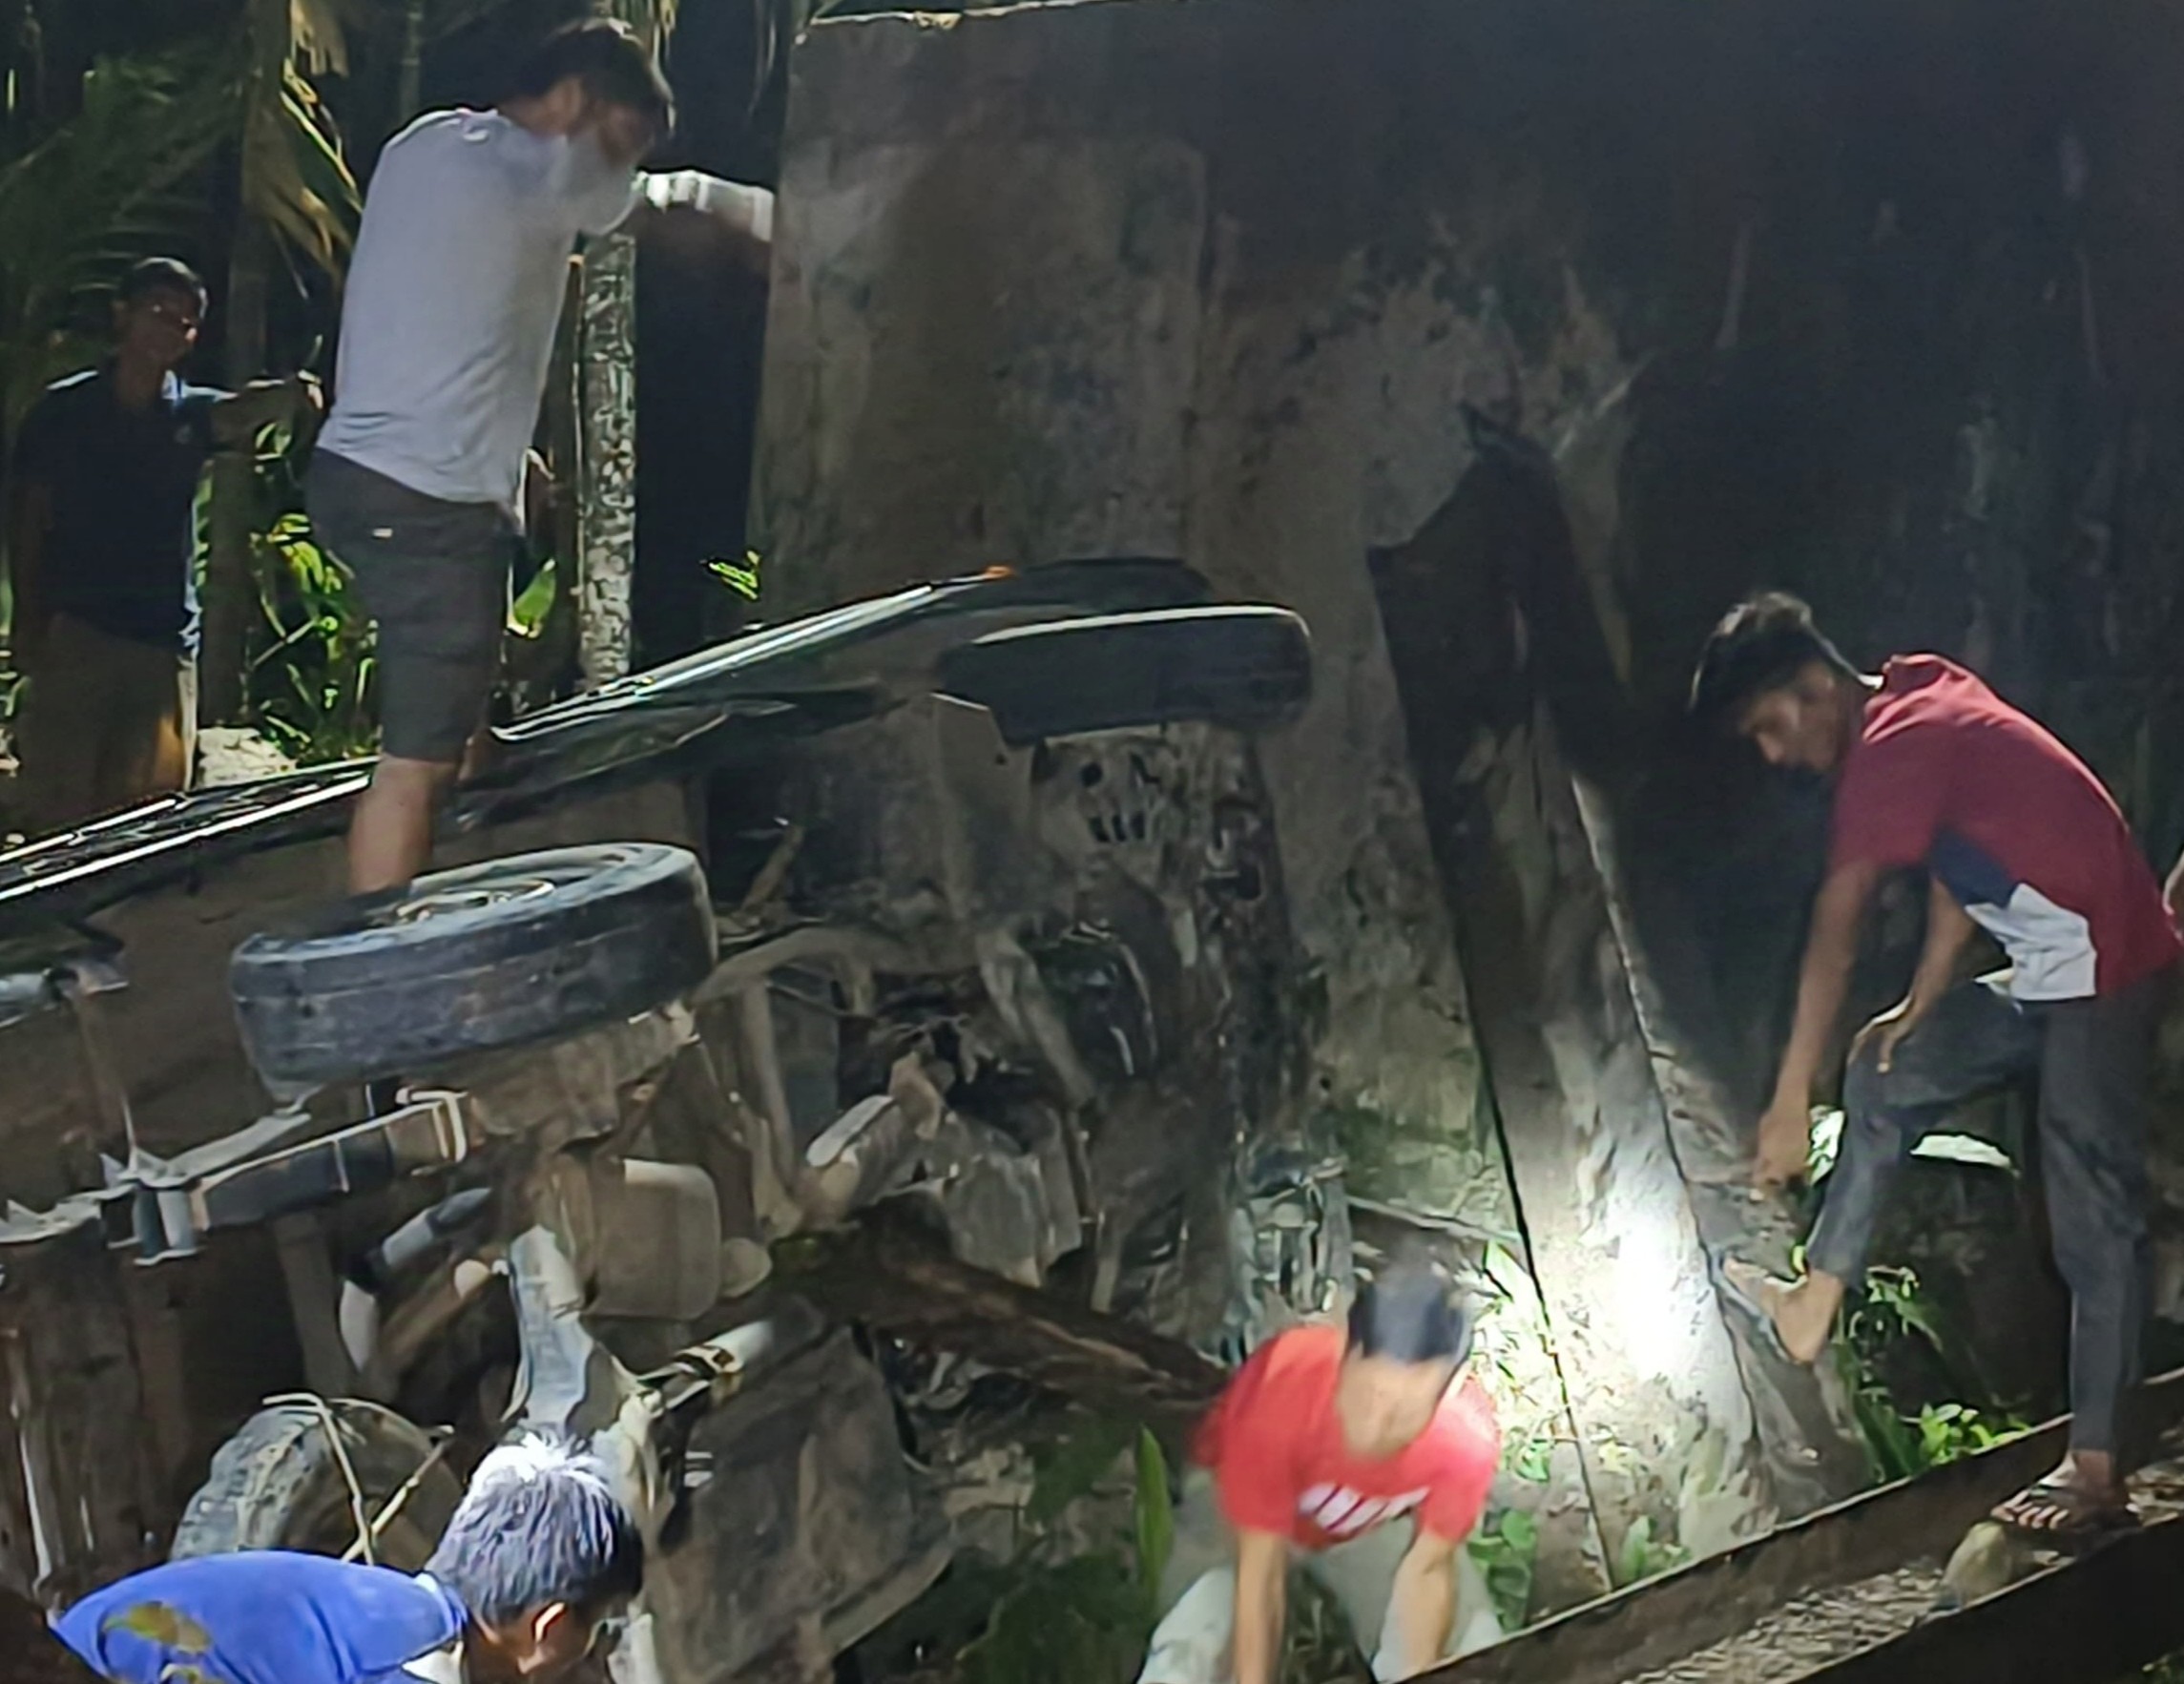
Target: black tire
(495,955)
(277,1484)
(1246,667)
(30,1653)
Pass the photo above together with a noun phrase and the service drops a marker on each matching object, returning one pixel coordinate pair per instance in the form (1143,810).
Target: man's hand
(294,398)
(2174,893)
(1823,978)
(1885,1033)
(744,211)
(1785,1144)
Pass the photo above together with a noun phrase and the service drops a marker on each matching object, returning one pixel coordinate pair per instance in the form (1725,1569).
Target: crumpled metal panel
(77,1502)
(772,686)
(808,1526)
(1291,1238)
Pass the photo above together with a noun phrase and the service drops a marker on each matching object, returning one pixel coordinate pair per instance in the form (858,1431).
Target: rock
(1991,1558)
(229,754)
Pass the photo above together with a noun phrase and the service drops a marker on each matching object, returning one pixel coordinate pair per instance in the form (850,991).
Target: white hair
(534,1457)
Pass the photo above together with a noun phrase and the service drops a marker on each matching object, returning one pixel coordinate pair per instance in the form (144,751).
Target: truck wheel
(1247,666)
(279,1484)
(494,955)
(30,1653)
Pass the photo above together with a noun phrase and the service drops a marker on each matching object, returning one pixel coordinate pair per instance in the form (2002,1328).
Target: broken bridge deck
(1842,1595)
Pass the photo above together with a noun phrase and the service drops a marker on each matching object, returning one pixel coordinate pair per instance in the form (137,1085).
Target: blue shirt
(263,1616)
(122,483)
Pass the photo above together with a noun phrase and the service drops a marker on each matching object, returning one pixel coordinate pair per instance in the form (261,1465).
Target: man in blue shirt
(538,1557)
(100,490)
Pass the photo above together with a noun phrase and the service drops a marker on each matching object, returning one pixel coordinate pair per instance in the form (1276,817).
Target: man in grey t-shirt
(447,329)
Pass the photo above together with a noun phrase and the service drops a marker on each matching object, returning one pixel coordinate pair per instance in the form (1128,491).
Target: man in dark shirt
(2017,836)
(105,628)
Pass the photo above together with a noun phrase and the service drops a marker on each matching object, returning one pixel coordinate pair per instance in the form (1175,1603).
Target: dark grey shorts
(435,577)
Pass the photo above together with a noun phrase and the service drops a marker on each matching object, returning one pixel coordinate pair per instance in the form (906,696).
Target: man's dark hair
(1761,644)
(1411,1313)
(539,1524)
(605,54)
(162,275)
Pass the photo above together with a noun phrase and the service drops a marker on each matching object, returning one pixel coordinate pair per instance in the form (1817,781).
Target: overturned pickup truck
(961,901)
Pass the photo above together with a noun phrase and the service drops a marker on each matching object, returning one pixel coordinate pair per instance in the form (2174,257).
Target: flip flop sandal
(2084,1521)
(1747,1300)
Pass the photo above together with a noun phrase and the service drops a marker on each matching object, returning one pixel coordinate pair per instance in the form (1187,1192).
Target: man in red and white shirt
(2017,836)
(1366,1458)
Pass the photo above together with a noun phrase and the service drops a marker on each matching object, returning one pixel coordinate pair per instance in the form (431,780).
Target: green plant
(310,666)
(526,613)
(311,685)
(1507,1552)
(1081,1618)
(743,577)
(1900,1446)
(127,173)
(1642,1555)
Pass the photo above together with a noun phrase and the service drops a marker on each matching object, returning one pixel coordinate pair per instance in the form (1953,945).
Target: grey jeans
(2091,1057)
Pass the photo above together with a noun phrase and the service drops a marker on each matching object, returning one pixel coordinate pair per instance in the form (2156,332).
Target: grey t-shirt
(453,295)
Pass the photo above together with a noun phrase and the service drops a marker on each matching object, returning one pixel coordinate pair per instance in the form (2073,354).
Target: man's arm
(1831,947)
(1423,1606)
(29,509)
(1949,930)
(237,417)
(2173,892)
(1262,1588)
(747,211)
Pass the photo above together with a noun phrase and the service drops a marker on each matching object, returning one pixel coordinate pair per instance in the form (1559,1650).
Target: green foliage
(309,683)
(295,174)
(743,577)
(1083,1618)
(1897,1444)
(128,173)
(528,613)
(1153,1511)
(1506,1552)
(1078,1621)
(1065,1473)
(1641,1555)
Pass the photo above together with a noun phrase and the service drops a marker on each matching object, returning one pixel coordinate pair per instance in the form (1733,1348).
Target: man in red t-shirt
(1933,770)
(1319,1448)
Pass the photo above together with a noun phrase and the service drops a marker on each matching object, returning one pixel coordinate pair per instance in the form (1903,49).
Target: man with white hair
(538,1558)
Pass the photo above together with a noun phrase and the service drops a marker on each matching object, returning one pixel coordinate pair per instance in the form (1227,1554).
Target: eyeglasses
(181,320)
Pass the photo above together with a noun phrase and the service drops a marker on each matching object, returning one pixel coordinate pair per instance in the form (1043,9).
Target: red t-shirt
(1948,775)
(1281,1465)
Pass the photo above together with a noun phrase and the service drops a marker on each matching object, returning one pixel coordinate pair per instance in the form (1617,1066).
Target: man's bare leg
(390,832)
(478,755)
(1803,1311)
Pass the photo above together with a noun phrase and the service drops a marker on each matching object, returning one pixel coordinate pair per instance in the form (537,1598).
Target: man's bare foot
(2082,1499)
(1801,1313)
(478,755)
